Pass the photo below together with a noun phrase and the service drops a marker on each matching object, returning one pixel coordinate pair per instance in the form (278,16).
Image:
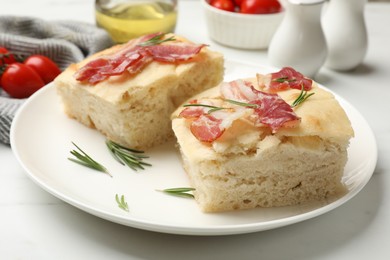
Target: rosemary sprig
(283,79)
(212,108)
(127,156)
(215,108)
(156,40)
(243,104)
(303,96)
(179,192)
(122,202)
(84,159)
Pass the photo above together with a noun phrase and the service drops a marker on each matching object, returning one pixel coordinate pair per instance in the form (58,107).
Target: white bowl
(245,31)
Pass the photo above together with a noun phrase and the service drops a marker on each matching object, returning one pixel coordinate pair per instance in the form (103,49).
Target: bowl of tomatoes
(244,24)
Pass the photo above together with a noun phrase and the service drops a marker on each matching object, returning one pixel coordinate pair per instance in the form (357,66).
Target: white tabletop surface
(37,225)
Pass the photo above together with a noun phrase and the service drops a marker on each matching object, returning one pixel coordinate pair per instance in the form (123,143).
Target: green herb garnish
(212,108)
(85,160)
(215,108)
(283,79)
(158,39)
(127,156)
(303,96)
(243,104)
(121,202)
(179,192)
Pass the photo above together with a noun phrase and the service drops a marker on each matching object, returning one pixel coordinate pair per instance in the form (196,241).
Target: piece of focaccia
(244,148)
(129,91)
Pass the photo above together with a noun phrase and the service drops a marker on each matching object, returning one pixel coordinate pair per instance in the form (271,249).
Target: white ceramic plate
(41,137)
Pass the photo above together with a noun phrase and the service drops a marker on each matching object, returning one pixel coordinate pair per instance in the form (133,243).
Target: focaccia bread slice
(133,107)
(252,164)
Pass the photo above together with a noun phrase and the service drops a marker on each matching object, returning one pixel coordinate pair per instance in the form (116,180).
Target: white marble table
(37,225)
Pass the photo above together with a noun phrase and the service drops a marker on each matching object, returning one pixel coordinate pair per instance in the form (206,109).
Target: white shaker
(346,34)
(299,41)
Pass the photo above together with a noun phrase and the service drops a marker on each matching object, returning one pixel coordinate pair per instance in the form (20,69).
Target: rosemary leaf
(243,104)
(122,202)
(215,108)
(283,79)
(156,40)
(179,192)
(303,96)
(199,105)
(84,159)
(212,108)
(126,156)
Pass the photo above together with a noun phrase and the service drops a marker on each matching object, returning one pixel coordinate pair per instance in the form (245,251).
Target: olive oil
(128,20)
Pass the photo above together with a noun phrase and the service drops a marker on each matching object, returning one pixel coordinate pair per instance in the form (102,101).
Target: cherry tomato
(238,2)
(44,66)
(20,81)
(226,5)
(6,57)
(260,6)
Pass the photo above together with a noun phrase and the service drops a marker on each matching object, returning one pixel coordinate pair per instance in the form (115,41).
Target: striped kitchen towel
(65,42)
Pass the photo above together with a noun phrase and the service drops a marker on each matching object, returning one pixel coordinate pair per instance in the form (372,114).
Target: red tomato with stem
(44,66)
(20,81)
(260,6)
(6,57)
(226,5)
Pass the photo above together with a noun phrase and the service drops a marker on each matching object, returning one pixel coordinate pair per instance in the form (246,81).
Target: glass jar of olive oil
(128,19)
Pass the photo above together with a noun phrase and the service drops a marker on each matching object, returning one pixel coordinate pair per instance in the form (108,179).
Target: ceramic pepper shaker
(346,34)
(299,41)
